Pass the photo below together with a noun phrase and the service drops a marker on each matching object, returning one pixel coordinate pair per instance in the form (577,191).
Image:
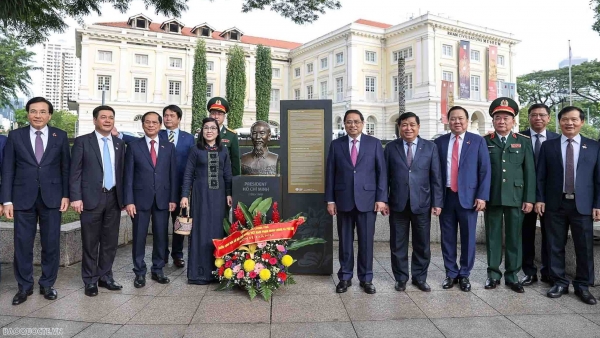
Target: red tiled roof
(373,23)
(186,31)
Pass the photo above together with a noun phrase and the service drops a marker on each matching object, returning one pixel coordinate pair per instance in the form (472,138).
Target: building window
(447,76)
(104,56)
(408,80)
(274,99)
(233,35)
(501,60)
(210,65)
(500,89)
(139,89)
(323,91)
(309,92)
(309,68)
(370,88)
(370,57)
(276,73)
(447,51)
(209,90)
(175,62)
(339,58)
(339,124)
(475,56)
(297,72)
(406,53)
(140,23)
(175,91)
(339,89)
(324,64)
(475,87)
(205,31)
(297,94)
(103,84)
(370,125)
(141,59)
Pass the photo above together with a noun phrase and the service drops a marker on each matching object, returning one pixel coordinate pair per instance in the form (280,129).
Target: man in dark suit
(466,173)
(568,195)
(2,144)
(96,185)
(415,193)
(355,190)
(35,185)
(183,142)
(539,117)
(150,192)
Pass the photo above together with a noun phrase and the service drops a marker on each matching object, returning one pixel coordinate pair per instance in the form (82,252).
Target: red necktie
(153,152)
(454,166)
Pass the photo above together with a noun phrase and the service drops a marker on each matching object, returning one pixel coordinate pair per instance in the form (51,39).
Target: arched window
(370,127)
(338,123)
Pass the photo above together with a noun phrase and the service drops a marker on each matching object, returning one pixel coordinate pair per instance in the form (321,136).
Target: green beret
(504,104)
(218,103)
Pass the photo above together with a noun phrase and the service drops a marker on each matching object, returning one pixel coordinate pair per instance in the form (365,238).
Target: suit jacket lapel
(466,146)
(51,142)
(361,149)
(400,148)
(444,157)
(558,152)
(345,148)
(146,151)
(96,146)
(118,151)
(497,142)
(582,150)
(420,145)
(162,155)
(27,143)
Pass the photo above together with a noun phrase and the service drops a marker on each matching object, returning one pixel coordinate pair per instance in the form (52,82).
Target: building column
(84,89)
(353,63)
(189,76)
(159,74)
(223,78)
(124,69)
(316,88)
(330,81)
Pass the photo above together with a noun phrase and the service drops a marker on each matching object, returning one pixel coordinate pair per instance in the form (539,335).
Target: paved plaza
(310,308)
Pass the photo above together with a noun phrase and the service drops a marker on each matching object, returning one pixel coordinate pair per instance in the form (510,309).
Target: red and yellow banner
(464,70)
(492,92)
(261,233)
(447,99)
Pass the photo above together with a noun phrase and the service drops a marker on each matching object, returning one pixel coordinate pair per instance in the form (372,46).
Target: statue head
(261,134)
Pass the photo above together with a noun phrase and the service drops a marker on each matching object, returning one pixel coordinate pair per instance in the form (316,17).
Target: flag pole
(570,81)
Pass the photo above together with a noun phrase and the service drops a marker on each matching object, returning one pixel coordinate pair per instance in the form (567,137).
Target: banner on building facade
(492,92)
(464,69)
(509,89)
(447,99)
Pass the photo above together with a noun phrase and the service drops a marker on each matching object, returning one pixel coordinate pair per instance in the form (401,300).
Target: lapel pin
(468,142)
(116,148)
(162,146)
(54,134)
(584,146)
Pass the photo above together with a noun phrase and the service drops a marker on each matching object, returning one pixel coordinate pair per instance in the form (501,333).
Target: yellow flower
(228,273)
(249,265)
(219,262)
(287,260)
(264,274)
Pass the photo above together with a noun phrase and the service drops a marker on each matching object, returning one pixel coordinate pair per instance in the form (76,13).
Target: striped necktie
(172,136)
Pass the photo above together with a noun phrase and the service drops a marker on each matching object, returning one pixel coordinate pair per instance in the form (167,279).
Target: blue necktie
(108,174)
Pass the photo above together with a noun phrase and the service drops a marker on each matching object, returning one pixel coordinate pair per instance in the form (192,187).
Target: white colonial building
(144,66)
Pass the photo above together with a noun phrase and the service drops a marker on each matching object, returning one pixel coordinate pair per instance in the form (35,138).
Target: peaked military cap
(504,104)
(218,103)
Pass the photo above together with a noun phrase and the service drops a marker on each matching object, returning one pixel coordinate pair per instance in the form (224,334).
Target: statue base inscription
(246,189)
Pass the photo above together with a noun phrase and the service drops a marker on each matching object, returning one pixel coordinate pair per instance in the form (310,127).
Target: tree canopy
(596,7)
(15,64)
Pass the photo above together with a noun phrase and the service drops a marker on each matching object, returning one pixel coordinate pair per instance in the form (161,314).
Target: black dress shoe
(586,296)
(161,278)
(491,283)
(516,287)
(368,287)
(179,262)
(448,283)
(528,280)
(49,293)
(343,286)
(21,296)
(422,285)
(465,284)
(557,291)
(547,279)
(139,281)
(91,290)
(110,284)
(400,285)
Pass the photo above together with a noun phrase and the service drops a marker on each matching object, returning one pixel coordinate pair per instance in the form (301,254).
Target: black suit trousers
(100,238)
(582,232)
(529,230)
(160,238)
(401,223)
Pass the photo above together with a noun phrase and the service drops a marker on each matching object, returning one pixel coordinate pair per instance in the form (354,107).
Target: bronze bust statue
(260,161)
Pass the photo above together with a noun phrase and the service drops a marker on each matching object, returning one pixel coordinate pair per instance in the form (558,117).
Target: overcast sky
(544,27)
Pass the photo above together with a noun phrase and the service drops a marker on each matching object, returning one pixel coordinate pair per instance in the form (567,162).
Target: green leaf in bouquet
(305,242)
(264,206)
(293,217)
(255,204)
(224,285)
(266,292)
(247,214)
(251,292)
(226,225)
(290,280)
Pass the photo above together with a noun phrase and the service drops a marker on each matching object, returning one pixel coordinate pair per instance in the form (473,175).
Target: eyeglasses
(353,122)
(36,112)
(210,128)
(151,123)
(538,115)
(216,113)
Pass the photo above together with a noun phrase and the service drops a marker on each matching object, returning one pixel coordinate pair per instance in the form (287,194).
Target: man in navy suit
(466,174)
(35,186)
(539,117)
(96,186)
(355,190)
(568,195)
(150,193)
(415,193)
(2,144)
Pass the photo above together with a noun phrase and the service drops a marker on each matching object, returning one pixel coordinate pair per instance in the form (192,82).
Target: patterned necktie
(503,139)
(354,153)
(570,169)
(153,152)
(107,165)
(454,166)
(39,147)
(409,154)
(537,147)
(172,136)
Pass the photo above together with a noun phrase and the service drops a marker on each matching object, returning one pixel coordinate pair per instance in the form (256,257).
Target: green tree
(263,82)
(21,117)
(596,7)
(65,120)
(199,86)
(236,86)
(15,64)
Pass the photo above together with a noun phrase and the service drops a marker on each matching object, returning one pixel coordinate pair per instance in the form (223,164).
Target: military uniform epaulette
(523,135)
(231,130)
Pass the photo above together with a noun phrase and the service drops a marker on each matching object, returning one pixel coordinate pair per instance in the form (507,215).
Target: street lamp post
(104,89)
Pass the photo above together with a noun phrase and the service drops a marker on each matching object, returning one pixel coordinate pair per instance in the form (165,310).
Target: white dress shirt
(33,136)
(175,135)
(414,147)
(461,138)
(357,143)
(563,149)
(150,146)
(533,138)
(111,150)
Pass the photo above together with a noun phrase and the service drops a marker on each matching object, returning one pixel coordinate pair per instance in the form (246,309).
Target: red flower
(239,215)
(266,256)
(257,219)
(253,274)
(275,218)
(228,264)
(233,258)
(273,261)
(282,275)
(247,256)
(221,269)
(234,227)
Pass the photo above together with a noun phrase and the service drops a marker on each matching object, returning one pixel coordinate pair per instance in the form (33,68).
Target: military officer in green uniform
(512,193)
(217,108)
